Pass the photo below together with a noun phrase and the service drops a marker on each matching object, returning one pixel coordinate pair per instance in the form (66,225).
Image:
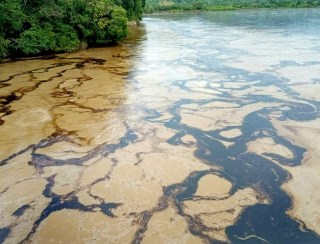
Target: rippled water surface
(200,127)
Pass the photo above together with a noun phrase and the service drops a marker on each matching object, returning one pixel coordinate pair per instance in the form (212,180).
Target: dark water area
(204,123)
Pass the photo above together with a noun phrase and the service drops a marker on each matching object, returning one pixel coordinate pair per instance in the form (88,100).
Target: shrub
(3,47)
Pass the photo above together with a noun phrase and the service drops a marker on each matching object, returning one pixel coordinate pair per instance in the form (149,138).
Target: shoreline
(222,9)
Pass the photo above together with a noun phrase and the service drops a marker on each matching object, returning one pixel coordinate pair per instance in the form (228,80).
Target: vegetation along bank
(33,27)
(178,5)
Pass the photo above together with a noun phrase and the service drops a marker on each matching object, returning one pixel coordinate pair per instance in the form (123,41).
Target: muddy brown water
(199,128)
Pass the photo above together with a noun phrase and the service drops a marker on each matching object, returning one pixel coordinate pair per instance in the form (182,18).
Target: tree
(47,26)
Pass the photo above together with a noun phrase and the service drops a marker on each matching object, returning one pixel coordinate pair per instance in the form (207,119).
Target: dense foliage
(164,5)
(30,27)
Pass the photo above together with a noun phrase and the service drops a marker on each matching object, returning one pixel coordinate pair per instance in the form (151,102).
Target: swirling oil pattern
(199,128)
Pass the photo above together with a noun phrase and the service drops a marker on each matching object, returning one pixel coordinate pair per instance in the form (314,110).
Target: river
(200,127)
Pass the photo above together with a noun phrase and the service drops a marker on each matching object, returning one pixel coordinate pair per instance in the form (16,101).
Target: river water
(200,127)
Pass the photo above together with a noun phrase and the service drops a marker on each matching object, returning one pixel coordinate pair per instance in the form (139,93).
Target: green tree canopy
(31,27)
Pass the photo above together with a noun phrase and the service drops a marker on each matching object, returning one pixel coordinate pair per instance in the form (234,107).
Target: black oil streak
(20,211)
(4,232)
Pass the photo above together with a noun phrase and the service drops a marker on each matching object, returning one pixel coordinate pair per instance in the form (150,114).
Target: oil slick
(193,139)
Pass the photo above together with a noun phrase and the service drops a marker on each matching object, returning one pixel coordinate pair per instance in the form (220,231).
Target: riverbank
(29,28)
(200,5)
